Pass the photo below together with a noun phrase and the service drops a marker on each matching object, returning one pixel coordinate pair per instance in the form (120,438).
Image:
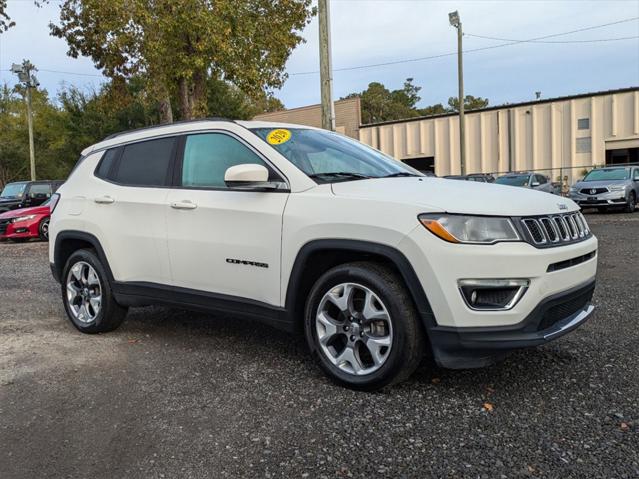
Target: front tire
(632,203)
(362,328)
(87,295)
(43,229)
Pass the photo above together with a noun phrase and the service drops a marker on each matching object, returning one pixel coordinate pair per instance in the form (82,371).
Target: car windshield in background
(13,190)
(328,157)
(608,174)
(519,180)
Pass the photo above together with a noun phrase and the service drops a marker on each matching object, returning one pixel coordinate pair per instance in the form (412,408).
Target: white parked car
(311,231)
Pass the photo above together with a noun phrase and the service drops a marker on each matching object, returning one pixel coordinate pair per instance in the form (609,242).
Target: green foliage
(178,45)
(470,103)
(380,104)
(226,100)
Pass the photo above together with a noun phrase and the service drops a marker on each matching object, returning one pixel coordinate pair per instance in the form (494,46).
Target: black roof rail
(179,122)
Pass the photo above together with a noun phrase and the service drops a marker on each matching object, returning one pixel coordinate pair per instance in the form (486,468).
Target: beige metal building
(556,135)
(347,116)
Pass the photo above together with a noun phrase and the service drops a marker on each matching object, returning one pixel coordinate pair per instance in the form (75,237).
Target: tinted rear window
(145,163)
(106,163)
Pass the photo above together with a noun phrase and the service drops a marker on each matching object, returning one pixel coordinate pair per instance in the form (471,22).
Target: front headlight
(18,219)
(573,189)
(470,229)
(616,187)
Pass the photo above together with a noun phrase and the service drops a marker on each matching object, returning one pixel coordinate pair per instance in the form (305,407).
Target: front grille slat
(555,230)
(593,191)
(4,224)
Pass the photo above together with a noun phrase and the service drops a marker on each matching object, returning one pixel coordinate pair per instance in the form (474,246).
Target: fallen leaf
(133,341)
(435,380)
(488,407)
(489,389)
(624,426)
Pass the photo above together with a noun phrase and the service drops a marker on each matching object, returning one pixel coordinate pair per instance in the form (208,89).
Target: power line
(597,40)
(441,55)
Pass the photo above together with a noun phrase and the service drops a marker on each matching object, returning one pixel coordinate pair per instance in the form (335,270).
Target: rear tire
(87,295)
(43,229)
(632,203)
(362,327)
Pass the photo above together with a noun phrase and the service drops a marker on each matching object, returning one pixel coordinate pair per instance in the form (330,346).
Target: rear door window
(146,163)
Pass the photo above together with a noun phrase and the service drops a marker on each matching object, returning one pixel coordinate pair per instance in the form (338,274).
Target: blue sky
(376,31)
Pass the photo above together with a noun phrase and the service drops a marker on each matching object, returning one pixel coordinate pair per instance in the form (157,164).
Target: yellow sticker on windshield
(279,136)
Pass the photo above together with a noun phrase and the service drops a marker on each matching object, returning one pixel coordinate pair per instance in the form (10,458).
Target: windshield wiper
(339,174)
(398,174)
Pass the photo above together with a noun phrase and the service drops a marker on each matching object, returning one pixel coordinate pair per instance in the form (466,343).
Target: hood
(9,200)
(453,196)
(36,210)
(597,184)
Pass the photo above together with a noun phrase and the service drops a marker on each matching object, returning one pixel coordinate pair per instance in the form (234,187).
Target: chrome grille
(556,229)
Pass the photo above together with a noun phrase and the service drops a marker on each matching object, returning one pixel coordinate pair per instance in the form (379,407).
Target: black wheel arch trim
(390,253)
(57,265)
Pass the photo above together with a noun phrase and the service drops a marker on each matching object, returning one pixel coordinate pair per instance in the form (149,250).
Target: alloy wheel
(354,329)
(45,229)
(84,292)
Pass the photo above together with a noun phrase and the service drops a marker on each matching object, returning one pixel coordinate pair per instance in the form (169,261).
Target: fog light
(492,294)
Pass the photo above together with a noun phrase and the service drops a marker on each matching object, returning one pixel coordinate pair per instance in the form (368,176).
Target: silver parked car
(613,186)
(535,181)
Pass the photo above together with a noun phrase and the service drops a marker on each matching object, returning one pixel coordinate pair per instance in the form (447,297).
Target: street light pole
(455,21)
(29,80)
(326,69)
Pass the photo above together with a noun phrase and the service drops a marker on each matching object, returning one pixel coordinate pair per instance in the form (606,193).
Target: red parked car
(25,223)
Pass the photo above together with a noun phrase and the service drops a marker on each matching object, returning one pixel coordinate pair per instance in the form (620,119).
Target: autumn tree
(177,45)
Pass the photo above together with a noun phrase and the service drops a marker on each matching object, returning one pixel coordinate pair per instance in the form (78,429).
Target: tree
(226,100)
(380,104)
(437,109)
(470,103)
(178,45)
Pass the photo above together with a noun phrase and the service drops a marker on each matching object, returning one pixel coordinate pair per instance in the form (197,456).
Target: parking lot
(177,394)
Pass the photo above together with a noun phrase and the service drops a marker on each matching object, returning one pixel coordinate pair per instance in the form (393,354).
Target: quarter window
(145,163)
(106,163)
(207,156)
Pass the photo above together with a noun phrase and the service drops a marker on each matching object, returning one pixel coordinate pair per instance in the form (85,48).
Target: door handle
(183,205)
(104,200)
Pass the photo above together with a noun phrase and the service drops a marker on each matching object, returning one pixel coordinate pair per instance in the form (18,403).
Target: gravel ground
(177,394)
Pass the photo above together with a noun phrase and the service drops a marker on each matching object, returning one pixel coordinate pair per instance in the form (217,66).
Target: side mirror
(534,183)
(249,177)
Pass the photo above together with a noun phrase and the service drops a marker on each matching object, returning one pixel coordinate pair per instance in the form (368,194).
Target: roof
(508,105)
(177,128)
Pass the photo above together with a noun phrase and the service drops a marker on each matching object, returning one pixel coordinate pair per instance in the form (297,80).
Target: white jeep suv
(308,230)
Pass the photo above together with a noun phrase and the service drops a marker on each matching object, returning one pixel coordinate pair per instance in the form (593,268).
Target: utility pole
(24,72)
(455,21)
(326,69)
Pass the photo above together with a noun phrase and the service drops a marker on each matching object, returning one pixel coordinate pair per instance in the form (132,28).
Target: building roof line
(505,106)
(301,108)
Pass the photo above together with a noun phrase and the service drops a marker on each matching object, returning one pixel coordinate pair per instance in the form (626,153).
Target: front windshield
(13,190)
(328,157)
(519,180)
(608,174)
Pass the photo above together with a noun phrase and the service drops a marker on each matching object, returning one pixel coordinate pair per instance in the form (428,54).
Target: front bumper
(22,230)
(611,198)
(553,317)
(559,277)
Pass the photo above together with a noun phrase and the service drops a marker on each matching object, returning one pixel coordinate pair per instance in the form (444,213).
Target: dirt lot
(177,394)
